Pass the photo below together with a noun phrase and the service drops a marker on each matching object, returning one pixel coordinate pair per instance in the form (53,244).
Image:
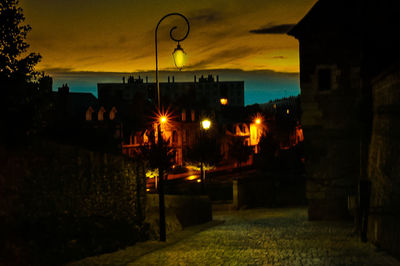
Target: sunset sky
(84,42)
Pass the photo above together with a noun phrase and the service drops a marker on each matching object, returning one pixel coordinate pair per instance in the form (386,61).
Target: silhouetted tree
(158,154)
(240,151)
(269,148)
(206,149)
(15,68)
(17,74)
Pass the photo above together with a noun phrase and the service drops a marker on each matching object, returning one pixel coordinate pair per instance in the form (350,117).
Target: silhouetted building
(349,75)
(206,92)
(79,119)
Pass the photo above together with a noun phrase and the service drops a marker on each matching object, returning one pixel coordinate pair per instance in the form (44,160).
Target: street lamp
(179,56)
(205,124)
(163,119)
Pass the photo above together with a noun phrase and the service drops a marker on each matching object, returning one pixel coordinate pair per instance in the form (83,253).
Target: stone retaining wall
(181,211)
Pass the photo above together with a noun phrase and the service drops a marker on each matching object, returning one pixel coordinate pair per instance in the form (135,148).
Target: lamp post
(205,124)
(179,58)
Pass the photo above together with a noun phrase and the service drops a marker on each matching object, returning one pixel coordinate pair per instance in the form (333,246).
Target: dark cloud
(224,56)
(276,29)
(206,16)
(279,57)
(57,70)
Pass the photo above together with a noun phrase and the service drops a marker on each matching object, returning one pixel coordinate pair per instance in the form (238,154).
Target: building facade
(350,83)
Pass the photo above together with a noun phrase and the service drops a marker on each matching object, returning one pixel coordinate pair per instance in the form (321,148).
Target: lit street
(259,237)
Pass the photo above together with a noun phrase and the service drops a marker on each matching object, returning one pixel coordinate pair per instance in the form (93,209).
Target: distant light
(198,180)
(179,57)
(258,121)
(163,119)
(287,111)
(206,124)
(274,106)
(192,177)
(224,101)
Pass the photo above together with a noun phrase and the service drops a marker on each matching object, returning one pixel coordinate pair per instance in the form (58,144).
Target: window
(89,113)
(193,115)
(324,79)
(113,113)
(183,115)
(100,115)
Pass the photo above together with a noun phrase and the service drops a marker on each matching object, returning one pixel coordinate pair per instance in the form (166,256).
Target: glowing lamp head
(179,57)
(287,111)
(206,124)
(258,121)
(163,119)
(223,101)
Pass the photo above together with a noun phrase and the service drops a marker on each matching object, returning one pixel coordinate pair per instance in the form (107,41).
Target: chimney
(168,79)
(194,78)
(173,79)
(123,80)
(147,79)
(217,78)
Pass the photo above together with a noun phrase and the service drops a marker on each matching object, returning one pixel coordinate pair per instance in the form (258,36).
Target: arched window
(89,113)
(113,113)
(183,115)
(193,115)
(100,115)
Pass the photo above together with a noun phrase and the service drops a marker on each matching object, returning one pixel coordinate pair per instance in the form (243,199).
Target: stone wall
(62,202)
(181,211)
(384,163)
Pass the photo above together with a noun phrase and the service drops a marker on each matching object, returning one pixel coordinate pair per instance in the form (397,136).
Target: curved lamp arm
(172,38)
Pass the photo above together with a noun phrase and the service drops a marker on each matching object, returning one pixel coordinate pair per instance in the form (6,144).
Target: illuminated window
(113,113)
(183,115)
(89,113)
(224,101)
(193,115)
(100,115)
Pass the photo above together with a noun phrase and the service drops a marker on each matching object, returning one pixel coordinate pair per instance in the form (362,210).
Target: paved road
(265,237)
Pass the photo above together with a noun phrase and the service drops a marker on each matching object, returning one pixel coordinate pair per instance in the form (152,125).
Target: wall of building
(384,163)
(330,120)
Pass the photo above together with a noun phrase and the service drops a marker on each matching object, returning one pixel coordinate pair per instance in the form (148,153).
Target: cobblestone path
(267,237)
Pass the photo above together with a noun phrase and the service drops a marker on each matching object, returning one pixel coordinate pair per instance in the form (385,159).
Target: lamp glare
(179,57)
(206,124)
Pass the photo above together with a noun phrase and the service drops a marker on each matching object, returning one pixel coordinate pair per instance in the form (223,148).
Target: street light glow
(179,57)
(206,124)
(223,101)
(163,119)
(258,121)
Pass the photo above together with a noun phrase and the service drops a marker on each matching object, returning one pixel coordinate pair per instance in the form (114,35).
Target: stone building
(187,103)
(350,97)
